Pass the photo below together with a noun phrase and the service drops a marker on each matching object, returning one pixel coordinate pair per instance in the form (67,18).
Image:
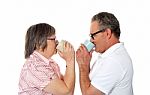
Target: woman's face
(51,45)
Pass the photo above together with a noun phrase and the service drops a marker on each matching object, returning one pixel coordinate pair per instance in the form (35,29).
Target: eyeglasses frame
(93,34)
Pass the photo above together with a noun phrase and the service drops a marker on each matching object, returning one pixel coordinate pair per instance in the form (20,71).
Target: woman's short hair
(36,37)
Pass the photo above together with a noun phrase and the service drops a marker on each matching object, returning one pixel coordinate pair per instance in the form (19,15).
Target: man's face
(99,38)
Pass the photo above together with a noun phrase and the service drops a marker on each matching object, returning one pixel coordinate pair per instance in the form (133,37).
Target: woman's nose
(56,42)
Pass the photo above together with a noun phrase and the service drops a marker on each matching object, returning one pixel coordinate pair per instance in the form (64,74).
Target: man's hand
(83,56)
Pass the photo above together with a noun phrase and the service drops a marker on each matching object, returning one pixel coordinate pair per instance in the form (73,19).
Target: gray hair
(108,20)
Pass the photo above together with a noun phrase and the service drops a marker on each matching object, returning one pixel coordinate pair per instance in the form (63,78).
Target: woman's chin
(55,52)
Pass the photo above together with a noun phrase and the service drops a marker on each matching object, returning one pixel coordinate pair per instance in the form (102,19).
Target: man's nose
(91,40)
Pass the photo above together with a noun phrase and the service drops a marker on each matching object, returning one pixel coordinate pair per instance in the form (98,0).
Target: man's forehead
(94,26)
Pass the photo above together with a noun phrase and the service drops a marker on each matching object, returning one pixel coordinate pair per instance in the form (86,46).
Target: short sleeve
(107,76)
(39,75)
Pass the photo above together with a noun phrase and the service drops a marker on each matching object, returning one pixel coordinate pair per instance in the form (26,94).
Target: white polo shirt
(112,72)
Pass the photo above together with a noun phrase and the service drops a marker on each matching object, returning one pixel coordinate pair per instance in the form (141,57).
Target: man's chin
(96,50)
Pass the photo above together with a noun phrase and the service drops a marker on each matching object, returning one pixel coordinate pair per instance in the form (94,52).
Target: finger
(77,53)
(91,52)
(84,48)
(69,47)
(77,50)
(81,48)
(59,52)
(65,44)
(72,48)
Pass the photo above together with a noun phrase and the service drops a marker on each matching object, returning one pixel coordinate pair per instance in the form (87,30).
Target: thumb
(59,52)
(91,52)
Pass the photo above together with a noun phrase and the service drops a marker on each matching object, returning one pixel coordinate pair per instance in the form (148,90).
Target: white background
(71,18)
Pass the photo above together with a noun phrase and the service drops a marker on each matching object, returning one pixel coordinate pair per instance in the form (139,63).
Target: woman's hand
(68,53)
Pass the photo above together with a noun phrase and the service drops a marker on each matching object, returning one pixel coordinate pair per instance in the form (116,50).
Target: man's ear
(108,33)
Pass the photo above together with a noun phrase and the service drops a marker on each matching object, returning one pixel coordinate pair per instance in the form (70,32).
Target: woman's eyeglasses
(51,38)
(54,39)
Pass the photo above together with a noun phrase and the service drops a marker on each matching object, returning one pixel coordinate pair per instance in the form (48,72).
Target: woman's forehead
(53,36)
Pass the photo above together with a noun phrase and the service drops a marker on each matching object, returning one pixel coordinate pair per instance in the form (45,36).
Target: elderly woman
(40,74)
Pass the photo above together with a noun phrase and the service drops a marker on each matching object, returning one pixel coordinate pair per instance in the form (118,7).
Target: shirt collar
(111,49)
(43,58)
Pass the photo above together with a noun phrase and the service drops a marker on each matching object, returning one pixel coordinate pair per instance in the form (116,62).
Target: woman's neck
(44,53)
